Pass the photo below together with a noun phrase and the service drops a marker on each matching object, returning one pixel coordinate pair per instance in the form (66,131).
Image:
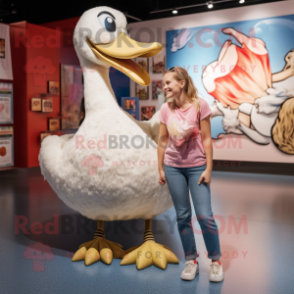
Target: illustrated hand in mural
(181,39)
(230,120)
(272,102)
(215,110)
(240,37)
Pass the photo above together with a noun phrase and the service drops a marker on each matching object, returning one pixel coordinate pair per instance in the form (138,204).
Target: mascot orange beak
(119,53)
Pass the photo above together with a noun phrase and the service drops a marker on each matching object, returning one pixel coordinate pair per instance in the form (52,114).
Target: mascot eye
(107,21)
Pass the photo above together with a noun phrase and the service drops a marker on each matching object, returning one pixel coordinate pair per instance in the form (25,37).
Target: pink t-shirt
(185,148)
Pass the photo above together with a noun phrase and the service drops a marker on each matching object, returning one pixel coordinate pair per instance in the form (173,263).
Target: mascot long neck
(98,92)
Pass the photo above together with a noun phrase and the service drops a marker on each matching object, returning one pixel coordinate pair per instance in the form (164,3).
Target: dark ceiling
(38,12)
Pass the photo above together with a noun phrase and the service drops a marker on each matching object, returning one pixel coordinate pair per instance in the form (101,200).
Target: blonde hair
(282,131)
(190,89)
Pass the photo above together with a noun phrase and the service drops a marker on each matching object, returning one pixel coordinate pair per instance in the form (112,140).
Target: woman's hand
(162,179)
(205,177)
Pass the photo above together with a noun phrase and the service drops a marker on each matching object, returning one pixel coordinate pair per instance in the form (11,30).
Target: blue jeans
(179,181)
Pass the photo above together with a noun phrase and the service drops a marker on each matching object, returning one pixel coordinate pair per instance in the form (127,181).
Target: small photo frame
(156,88)
(54,124)
(44,135)
(53,88)
(158,63)
(144,62)
(47,105)
(2,48)
(36,104)
(142,92)
(147,112)
(130,104)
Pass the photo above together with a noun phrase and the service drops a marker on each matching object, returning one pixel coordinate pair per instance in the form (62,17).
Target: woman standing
(185,161)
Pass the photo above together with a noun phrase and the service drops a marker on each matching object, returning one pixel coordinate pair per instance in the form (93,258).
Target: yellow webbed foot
(99,248)
(149,253)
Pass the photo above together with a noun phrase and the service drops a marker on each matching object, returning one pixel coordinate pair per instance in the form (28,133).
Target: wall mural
(245,71)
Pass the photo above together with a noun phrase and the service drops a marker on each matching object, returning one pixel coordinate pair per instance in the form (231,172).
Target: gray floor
(257,257)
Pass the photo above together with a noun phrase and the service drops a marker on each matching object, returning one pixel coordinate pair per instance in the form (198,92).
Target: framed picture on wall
(36,104)
(144,62)
(130,104)
(6,103)
(156,89)
(47,105)
(6,146)
(147,112)
(54,124)
(53,88)
(142,92)
(2,48)
(158,63)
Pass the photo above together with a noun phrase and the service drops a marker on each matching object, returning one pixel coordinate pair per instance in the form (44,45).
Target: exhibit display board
(5,53)
(6,103)
(6,146)
(255,90)
(241,61)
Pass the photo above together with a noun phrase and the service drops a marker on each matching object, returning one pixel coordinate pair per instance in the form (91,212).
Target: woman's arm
(161,147)
(162,144)
(207,146)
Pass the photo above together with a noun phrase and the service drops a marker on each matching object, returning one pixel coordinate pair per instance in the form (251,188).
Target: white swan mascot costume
(108,169)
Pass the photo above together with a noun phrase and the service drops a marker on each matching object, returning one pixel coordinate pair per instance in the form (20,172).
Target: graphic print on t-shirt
(180,131)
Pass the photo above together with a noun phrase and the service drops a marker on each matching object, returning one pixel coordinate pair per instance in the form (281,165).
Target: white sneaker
(216,273)
(191,270)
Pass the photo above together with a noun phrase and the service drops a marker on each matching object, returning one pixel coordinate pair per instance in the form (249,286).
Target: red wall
(66,26)
(52,47)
